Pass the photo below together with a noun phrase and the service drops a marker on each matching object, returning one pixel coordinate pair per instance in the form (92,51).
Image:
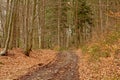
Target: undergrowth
(105,48)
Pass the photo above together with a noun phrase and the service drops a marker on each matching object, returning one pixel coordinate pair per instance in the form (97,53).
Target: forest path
(65,67)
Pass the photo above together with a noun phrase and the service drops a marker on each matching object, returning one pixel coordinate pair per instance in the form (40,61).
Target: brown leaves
(105,69)
(16,63)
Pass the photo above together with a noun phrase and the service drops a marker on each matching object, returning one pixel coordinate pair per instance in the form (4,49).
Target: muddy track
(63,68)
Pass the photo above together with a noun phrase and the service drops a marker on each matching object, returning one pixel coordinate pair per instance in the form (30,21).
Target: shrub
(111,39)
(96,53)
(84,49)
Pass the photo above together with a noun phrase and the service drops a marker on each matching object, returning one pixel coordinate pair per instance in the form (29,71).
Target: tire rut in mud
(63,68)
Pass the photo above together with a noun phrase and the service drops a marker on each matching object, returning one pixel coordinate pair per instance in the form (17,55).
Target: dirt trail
(63,68)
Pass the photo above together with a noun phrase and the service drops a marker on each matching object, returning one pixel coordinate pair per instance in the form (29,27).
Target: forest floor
(104,69)
(51,65)
(63,68)
(17,64)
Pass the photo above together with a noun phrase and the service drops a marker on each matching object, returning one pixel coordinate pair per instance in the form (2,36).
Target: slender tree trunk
(31,29)
(4,52)
(13,30)
(77,40)
(101,16)
(6,21)
(43,25)
(26,51)
(59,15)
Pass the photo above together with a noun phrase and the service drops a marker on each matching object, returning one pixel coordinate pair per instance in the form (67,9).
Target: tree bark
(4,52)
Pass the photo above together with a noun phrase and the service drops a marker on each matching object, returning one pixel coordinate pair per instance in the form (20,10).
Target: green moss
(111,39)
(105,54)
(96,53)
(94,49)
(84,49)
(63,49)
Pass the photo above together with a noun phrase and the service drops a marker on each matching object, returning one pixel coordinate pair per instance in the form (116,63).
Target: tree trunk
(26,51)
(43,25)
(4,52)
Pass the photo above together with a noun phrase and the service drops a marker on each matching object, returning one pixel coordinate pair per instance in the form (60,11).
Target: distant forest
(55,24)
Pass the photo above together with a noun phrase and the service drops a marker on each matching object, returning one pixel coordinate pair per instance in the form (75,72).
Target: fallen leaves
(17,64)
(105,69)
